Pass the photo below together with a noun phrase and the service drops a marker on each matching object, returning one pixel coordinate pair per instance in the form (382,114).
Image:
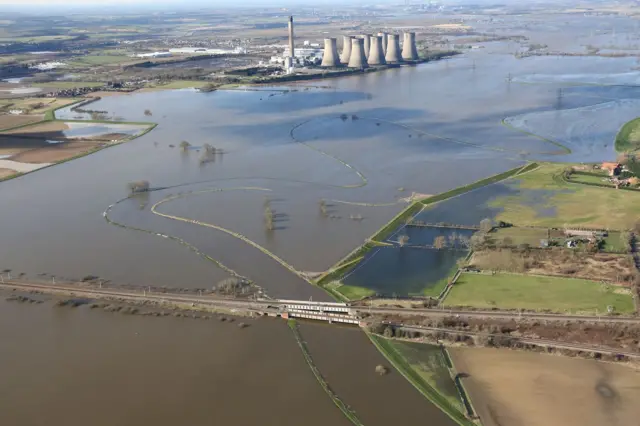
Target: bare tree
(403,240)
(486,225)
(440,242)
(323,208)
(268,218)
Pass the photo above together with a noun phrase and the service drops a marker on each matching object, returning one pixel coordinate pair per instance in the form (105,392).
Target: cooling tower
(409,50)
(384,42)
(367,44)
(346,49)
(330,56)
(291,50)
(376,54)
(393,49)
(357,58)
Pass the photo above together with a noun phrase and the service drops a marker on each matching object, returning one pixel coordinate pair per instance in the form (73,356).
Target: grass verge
(346,410)
(400,363)
(533,292)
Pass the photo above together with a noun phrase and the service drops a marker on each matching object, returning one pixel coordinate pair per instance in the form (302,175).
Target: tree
(486,225)
(440,242)
(185,145)
(403,240)
(138,186)
(147,112)
(323,208)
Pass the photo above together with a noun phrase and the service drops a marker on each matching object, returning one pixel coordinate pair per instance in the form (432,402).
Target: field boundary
(565,148)
(462,391)
(346,410)
(405,369)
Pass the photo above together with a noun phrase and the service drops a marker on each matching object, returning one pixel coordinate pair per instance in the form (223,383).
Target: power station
(409,51)
(376,53)
(393,49)
(330,56)
(346,49)
(357,51)
(357,59)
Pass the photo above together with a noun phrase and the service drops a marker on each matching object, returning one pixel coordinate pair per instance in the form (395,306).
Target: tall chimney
(291,49)
(393,49)
(409,50)
(357,58)
(346,49)
(376,55)
(330,55)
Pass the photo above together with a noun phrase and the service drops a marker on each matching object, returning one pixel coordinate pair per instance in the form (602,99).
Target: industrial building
(357,51)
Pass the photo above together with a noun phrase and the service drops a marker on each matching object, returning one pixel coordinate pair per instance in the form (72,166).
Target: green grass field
(591,178)
(101,60)
(430,363)
(628,138)
(182,84)
(350,292)
(517,235)
(613,243)
(35,39)
(574,204)
(441,398)
(511,291)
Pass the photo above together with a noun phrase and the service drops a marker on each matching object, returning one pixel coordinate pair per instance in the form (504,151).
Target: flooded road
(72,366)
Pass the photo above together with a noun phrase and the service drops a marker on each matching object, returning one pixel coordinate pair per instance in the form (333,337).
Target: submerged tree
(185,145)
(268,218)
(323,208)
(138,186)
(403,240)
(148,113)
(440,242)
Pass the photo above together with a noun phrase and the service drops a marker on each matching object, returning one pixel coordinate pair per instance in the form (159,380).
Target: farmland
(514,291)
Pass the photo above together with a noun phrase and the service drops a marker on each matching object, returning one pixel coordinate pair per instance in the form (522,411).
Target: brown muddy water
(73,366)
(361,143)
(347,360)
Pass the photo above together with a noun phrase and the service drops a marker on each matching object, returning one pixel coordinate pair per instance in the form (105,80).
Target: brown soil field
(598,266)
(6,173)
(54,153)
(44,129)
(510,388)
(8,121)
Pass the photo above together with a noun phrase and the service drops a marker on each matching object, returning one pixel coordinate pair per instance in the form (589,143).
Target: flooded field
(348,364)
(509,388)
(361,145)
(76,365)
(391,271)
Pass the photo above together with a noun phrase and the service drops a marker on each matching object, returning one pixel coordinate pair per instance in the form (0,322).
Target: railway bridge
(321,311)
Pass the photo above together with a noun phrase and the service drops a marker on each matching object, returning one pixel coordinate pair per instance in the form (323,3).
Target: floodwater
(73,366)
(348,365)
(83,130)
(362,144)
(405,271)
